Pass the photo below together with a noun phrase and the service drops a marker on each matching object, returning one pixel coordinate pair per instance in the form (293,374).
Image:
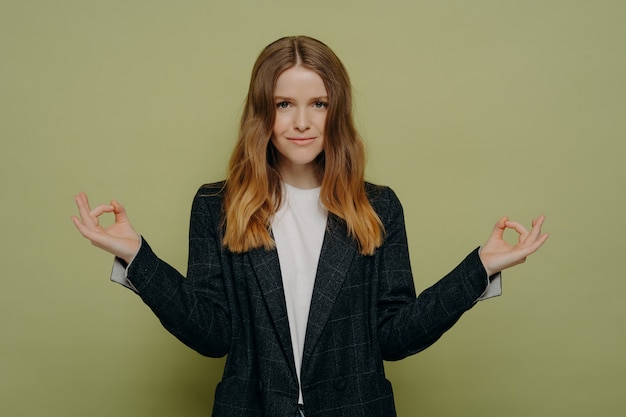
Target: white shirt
(298,228)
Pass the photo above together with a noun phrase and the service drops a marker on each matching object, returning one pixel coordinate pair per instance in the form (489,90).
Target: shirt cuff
(494,287)
(119,272)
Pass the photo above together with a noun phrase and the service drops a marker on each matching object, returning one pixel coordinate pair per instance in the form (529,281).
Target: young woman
(298,268)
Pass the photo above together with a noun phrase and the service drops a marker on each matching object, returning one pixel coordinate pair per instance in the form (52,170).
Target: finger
(538,224)
(97,212)
(519,229)
(89,216)
(79,225)
(535,245)
(85,231)
(81,200)
(499,228)
(101,209)
(119,211)
(535,232)
(83,207)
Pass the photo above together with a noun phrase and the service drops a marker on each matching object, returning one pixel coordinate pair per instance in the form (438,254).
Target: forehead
(299,80)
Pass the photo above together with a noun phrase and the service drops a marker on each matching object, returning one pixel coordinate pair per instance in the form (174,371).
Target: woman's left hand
(497,254)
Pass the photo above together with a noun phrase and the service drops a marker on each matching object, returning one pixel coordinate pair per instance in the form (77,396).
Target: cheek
(280,124)
(321,123)
(274,142)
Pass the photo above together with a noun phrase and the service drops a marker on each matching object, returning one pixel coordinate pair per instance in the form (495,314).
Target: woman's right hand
(120,238)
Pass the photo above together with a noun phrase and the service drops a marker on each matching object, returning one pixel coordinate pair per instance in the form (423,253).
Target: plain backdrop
(470,110)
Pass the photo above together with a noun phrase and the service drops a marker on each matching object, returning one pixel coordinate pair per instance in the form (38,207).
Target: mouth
(301,141)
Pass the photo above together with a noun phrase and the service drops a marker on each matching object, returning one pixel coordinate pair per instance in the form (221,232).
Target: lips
(301,141)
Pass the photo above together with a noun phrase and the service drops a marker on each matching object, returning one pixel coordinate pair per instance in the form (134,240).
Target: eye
(282,105)
(320,104)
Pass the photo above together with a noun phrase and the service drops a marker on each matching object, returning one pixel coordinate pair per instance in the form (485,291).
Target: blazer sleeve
(408,324)
(194,309)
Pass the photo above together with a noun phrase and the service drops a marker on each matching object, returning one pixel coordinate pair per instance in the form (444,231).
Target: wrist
(488,270)
(132,250)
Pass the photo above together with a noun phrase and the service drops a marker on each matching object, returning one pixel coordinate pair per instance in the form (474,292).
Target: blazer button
(340,383)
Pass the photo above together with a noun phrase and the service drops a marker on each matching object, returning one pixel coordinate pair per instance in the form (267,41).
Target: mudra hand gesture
(120,238)
(497,254)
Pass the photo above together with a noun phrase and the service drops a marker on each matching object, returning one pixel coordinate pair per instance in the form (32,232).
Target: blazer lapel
(267,270)
(338,251)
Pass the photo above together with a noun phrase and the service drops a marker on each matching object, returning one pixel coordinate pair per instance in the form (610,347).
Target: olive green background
(471,110)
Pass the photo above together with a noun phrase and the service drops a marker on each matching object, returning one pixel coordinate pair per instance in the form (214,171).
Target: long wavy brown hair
(253,187)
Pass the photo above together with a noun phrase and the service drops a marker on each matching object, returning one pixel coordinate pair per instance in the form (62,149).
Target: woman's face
(301,104)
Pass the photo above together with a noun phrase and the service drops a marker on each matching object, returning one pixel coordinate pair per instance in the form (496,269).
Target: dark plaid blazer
(364,310)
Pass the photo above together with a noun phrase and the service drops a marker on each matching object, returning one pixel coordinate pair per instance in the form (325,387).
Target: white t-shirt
(298,228)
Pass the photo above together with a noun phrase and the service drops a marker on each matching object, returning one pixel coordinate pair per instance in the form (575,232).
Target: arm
(194,309)
(408,324)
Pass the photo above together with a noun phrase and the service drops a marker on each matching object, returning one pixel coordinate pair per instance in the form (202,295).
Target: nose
(302,121)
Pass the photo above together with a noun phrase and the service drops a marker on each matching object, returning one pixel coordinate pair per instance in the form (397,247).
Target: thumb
(120,212)
(499,228)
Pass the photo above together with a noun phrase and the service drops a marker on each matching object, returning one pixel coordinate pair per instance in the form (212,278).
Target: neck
(301,178)
(302,183)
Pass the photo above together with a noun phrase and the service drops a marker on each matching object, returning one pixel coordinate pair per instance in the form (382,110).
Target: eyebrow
(282,98)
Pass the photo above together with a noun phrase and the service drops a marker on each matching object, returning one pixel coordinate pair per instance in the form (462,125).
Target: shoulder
(387,206)
(381,196)
(209,197)
(211,192)
(213,189)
